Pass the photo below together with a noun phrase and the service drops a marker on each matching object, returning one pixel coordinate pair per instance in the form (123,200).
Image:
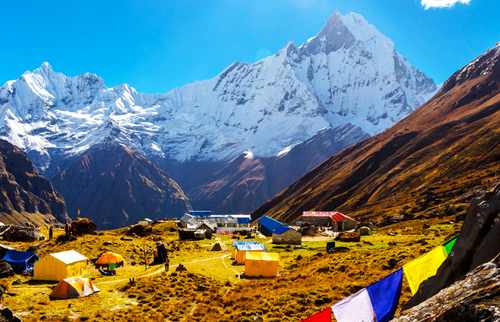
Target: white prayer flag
(355,308)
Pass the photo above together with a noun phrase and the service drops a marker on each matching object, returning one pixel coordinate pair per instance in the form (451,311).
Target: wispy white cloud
(442,3)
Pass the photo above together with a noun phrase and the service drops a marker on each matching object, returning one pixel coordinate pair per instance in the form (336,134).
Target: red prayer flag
(324,316)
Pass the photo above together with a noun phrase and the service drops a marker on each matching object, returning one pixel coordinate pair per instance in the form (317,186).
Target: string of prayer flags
(355,308)
(424,267)
(324,316)
(384,295)
(448,245)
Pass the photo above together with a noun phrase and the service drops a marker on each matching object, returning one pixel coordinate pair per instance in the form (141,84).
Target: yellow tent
(73,287)
(241,250)
(261,264)
(110,257)
(58,266)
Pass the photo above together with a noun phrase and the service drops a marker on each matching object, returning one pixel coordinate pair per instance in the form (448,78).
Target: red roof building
(327,218)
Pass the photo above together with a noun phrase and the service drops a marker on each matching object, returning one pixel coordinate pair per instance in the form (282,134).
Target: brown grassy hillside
(26,196)
(455,133)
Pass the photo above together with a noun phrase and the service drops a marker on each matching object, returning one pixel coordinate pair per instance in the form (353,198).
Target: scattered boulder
(181,268)
(22,234)
(83,226)
(4,249)
(140,231)
(338,250)
(426,225)
(107,243)
(126,239)
(17,282)
(7,315)
(344,236)
(5,269)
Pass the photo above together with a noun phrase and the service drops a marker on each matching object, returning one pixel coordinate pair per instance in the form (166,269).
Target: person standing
(66,228)
(167,263)
(50,232)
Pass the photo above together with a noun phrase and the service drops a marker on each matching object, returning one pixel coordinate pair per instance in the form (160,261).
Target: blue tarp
(237,242)
(282,230)
(251,247)
(268,225)
(243,220)
(20,261)
(200,213)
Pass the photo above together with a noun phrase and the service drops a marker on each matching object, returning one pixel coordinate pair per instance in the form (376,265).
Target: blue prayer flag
(385,294)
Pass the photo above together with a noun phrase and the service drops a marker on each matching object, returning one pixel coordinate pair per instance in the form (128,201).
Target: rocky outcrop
(115,187)
(5,269)
(6,315)
(24,194)
(23,234)
(475,297)
(477,243)
(83,226)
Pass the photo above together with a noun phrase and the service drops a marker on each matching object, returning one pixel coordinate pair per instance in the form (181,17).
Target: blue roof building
(267,225)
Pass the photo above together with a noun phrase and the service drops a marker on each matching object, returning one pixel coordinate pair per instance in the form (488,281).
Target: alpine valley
(230,143)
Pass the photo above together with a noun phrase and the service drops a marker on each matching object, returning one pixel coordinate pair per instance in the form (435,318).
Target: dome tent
(73,287)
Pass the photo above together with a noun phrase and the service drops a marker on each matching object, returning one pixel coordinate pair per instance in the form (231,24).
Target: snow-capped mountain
(347,79)
(349,72)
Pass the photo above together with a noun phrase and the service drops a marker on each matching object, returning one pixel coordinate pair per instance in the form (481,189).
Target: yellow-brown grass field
(211,289)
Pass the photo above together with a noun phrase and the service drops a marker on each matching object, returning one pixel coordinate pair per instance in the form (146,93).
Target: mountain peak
(342,32)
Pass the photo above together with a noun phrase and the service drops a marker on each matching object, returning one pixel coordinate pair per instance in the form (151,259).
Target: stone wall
(289,237)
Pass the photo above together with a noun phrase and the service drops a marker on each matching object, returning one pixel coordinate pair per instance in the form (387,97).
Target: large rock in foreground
(477,244)
(476,297)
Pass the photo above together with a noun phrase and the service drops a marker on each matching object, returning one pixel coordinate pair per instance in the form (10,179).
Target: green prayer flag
(448,245)
(111,266)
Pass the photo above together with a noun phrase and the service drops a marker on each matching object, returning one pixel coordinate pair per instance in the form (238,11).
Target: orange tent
(110,260)
(73,287)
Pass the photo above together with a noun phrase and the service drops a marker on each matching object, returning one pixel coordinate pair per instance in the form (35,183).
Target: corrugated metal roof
(269,223)
(264,256)
(243,220)
(69,256)
(200,213)
(251,247)
(282,229)
(237,242)
(335,215)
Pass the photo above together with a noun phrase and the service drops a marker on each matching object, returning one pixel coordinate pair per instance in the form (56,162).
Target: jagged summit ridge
(348,73)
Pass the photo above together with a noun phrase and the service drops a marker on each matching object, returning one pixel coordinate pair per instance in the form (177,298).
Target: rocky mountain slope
(347,74)
(454,132)
(116,187)
(26,196)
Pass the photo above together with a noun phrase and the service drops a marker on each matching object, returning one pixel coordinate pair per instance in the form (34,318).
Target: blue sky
(155,46)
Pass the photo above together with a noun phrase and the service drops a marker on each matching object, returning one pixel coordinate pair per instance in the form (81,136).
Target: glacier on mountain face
(348,73)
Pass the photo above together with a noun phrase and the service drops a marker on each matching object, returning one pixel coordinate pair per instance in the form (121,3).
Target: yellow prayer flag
(424,267)
(78,213)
